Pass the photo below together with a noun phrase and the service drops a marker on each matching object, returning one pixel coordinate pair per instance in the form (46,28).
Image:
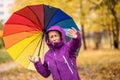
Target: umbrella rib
(20,32)
(26,17)
(62,21)
(36,28)
(50,18)
(26,47)
(35,15)
(22,38)
(34,50)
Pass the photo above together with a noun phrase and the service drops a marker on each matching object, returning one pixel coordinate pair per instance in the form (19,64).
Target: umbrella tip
(49,6)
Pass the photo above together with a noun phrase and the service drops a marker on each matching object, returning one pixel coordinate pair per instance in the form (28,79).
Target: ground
(102,64)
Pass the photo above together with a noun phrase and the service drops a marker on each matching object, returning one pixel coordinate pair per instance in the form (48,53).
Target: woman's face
(54,36)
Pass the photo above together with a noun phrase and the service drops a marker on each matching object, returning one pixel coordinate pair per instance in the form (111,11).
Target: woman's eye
(55,35)
(51,36)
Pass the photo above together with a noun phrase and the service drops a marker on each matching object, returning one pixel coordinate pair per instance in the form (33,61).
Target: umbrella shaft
(40,45)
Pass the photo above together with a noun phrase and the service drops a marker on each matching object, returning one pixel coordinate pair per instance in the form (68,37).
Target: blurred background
(99,22)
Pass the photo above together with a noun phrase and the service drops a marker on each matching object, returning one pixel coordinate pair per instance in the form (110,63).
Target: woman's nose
(54,38)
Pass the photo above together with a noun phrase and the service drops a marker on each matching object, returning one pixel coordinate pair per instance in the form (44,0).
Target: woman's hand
(35,59)
(72,32)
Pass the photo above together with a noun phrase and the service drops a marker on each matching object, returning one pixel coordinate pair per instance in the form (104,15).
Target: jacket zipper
(72,62)
(48,65)
(67,64)
(57,66)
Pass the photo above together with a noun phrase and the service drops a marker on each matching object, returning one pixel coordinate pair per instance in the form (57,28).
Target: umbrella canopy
(23,32)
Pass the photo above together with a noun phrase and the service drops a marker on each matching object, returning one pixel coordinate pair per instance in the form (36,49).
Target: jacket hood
(63,36)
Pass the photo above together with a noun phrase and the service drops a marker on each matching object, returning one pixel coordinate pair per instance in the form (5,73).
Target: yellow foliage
(1,32)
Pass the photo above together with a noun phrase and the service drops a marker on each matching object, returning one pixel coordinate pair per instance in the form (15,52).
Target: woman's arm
(75,41)
(42,69)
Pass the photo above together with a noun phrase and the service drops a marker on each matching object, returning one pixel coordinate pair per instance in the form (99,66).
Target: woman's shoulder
(48,54)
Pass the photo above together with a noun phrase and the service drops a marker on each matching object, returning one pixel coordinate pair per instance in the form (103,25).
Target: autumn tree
(111,10)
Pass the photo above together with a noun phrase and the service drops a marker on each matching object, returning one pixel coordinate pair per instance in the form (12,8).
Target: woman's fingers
(74,29)
(34,60)
(37,58)
(31,59)
(72,32)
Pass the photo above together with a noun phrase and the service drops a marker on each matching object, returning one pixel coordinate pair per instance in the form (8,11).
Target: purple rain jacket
(60,59)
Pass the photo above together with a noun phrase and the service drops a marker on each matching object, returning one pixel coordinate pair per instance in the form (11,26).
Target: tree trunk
(116,32)
(109,33)
(83,37)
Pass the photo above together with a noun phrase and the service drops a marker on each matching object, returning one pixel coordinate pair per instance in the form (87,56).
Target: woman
(60,59)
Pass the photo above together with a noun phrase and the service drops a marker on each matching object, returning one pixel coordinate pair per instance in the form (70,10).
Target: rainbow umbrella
(24,31)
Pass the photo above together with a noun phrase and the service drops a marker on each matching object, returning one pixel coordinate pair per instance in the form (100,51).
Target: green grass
(4,56)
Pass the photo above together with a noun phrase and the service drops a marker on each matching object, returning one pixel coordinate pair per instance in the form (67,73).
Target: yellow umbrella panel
(29,46)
